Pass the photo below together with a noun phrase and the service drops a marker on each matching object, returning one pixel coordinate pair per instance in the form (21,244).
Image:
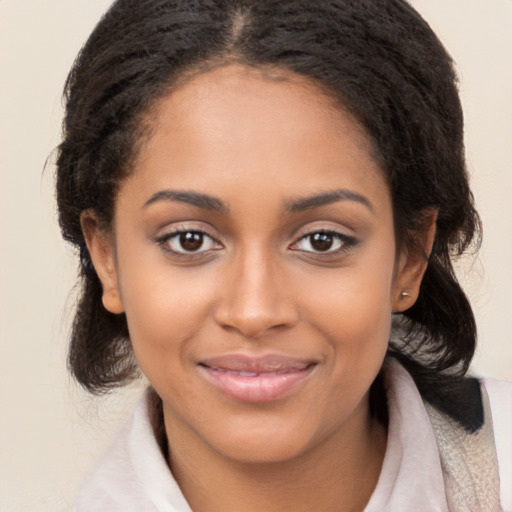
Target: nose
(255,299)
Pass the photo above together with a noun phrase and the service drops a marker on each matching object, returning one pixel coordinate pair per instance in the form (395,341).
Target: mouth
(261,379)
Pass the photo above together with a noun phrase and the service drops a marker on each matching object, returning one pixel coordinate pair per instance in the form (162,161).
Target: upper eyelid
(172,234)
(323,230)
(311,230)
(184,227)
(336,234)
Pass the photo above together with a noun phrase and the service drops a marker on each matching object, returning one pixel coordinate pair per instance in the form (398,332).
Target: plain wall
(51,431)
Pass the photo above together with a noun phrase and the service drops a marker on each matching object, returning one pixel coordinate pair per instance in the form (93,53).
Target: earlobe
(112,301)
(101,249)
(413,262)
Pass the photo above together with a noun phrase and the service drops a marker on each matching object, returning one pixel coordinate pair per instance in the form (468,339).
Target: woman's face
(254,256)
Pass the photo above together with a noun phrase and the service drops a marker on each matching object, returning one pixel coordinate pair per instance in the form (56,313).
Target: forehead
(239,125)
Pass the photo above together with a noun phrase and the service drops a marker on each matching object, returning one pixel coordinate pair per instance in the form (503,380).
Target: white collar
(133,476)
(411,477)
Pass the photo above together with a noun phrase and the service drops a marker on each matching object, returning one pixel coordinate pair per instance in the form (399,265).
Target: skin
(257,285)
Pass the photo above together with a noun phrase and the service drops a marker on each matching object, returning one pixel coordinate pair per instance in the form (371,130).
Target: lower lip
(259,388)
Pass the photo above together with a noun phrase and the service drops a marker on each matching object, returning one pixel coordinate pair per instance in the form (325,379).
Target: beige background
(50,431)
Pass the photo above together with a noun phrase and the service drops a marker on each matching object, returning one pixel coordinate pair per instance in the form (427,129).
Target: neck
(339,474)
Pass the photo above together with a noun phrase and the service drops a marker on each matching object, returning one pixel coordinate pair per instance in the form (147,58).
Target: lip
(256,379)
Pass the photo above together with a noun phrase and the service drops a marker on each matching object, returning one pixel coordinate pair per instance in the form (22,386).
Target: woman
(266,197)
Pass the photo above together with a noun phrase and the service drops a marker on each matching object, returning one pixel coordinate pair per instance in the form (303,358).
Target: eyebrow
(207,202)
(203,201)
(325,198)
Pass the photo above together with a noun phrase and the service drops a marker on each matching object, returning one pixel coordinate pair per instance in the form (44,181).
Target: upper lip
(262,364)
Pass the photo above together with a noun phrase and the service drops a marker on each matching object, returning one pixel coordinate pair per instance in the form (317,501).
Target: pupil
(191,241)
(321,241)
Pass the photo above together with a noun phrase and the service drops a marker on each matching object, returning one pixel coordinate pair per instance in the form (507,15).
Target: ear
(101,248)
(413,261)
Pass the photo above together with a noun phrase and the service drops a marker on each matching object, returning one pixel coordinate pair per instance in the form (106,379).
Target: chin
(263,437)
(262,448)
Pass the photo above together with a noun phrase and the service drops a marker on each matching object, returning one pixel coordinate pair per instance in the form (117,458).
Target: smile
(254,380)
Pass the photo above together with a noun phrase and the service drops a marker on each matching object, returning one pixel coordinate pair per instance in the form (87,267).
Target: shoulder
(114,476)
(471,420)
(500,400)
(132,475)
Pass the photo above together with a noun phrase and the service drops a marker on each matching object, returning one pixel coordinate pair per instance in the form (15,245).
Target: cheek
(353,308)
(357,326)
(356,298)
(165,308)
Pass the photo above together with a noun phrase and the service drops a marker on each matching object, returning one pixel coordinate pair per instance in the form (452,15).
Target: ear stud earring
(404,294)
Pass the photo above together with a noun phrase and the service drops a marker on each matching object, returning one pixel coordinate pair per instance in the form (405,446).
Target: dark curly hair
(379,58)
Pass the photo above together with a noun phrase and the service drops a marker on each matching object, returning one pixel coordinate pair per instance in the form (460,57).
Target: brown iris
(191,240)
(321,241)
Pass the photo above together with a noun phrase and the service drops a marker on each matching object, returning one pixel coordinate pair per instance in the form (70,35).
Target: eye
(323,242)
(189,242)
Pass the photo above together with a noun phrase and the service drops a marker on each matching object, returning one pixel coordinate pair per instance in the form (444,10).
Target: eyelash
(345,242)
(165,240)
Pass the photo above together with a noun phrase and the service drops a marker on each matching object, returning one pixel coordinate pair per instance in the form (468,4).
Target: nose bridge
(254,299)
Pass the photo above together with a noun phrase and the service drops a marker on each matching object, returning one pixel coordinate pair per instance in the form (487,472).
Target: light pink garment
(411,476)
(133,476)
